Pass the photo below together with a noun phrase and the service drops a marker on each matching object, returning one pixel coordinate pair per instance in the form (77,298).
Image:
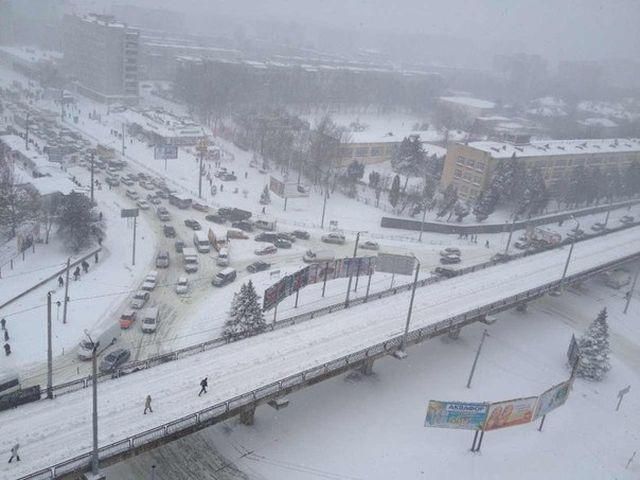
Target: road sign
(392,263)
(129,212)
(624,391)
(165,152)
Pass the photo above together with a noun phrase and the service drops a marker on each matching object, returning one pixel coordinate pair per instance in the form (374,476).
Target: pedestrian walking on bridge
(147,404)
(203,386)
(14,452)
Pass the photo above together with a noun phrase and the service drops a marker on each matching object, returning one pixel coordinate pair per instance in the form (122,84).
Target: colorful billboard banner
(510,413)
(553,398)
(462,415)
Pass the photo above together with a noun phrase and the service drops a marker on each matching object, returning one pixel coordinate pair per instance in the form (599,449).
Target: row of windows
(347,152)
(467,176)
(478,165)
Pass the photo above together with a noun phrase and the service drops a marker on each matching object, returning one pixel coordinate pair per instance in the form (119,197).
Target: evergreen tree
(18,202)
(245,315)
(374,179)
(394,193)
(460,210)
(594,349)
(448,201)
(78,222)
(355,171)
(485,204)
(265,196)
(409,158)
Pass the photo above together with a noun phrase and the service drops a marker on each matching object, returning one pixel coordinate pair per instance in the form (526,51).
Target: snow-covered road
(53,431)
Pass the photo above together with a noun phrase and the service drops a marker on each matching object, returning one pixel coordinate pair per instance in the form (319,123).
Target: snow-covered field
(243,366)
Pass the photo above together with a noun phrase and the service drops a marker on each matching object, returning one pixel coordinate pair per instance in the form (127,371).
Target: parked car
(228,177)
(266,250)
(169,231)
(598,227)
(236,233)
(224,277)
(369,245)
(215,218)
(150,281)
(286,236)
(201,207)
(127,318)
(445,272)
(450,251)
(266,237)
(243,225)
(114,360)
(268,225)
(301,234)
(626,219)
(334,237)
(179,245)
(521,245)
(234,214)
(149,319)
(258,266)
(223,258)
(192,224)
(143,205)
(162,259)
(132,194)
(139,299)
(449,259)
(500,257)
(182,285)
(282,243)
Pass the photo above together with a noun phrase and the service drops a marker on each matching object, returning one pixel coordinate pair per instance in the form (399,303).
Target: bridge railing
(298,380)
(86,382)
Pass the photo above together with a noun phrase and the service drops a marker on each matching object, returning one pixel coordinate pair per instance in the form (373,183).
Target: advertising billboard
(510,413)
(165,152)
(392,263)
(553,398)
(462,415)
(287,189)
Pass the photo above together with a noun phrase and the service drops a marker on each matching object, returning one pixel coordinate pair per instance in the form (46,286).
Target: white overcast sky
(558,29)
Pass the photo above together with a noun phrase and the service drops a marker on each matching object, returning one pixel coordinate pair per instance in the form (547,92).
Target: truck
(546,236)
(190,256)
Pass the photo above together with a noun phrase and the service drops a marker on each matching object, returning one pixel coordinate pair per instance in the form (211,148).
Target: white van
(201,242)
(150,318)
(190,259)
(316,256)
(223,258)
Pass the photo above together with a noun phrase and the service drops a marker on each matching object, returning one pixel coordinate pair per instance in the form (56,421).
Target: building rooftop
(557,147)
(470,102)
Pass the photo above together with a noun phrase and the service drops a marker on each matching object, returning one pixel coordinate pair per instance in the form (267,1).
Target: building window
(480,165)
(362,151)
(376,151)
(457,173)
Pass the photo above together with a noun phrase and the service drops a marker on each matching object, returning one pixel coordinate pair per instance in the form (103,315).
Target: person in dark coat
(60,281)
(3,323)
(14,452)
(7,349)
(203,386)
(85,266)
(147,404)
(76,273)
(6,335)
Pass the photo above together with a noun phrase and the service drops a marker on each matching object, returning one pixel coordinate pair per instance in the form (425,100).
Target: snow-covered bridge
(56,434)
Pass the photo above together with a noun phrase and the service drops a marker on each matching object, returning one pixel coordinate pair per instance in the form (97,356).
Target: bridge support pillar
(247,416)
(454,333)
(367,367)
(522,307)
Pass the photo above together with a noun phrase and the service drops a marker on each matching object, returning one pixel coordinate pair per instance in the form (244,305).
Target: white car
(450,251)
(143,205)
(369,245)
(334,237)
(139,299)
(150,281)
(182,286)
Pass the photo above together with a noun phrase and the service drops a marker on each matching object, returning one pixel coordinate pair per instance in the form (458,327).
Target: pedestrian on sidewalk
(6,335)
(60,281)
(263,209)
(95,257)
(85,266)
(3,323)
(14,452)
(486,244)
(7,349)
(76,274)
(147,404)
(203,386)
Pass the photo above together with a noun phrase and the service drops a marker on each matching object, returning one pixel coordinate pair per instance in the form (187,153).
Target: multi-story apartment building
(102,55)
(469,167)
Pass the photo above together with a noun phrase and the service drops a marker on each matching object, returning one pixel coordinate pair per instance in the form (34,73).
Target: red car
(127,318)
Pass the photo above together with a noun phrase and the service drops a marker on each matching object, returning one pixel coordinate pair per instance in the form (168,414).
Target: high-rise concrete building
(101,54)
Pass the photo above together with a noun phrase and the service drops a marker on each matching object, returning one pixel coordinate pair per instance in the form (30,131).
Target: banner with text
(462,415)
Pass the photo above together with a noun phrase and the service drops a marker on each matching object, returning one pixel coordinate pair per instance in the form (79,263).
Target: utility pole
(566,265)
(49,350)
(475,360)
(92,156)
(133,255)
(324,206)
(506,250)
(123,147)
(403,346)
(202,148)
(630,292)
(355,252)
(66,291)
(424,214)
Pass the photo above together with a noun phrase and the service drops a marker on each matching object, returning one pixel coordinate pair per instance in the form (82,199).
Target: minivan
(150,318)
(201,242)
(223,277)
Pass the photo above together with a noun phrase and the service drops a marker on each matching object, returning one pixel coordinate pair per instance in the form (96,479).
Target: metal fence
(207,416)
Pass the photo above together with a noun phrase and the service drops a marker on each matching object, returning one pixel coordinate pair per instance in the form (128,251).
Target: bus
(180,201)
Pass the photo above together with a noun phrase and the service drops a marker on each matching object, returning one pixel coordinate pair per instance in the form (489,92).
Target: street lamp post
(506,250)
(403,346)
(573,241)
(355,252)
(424,214)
